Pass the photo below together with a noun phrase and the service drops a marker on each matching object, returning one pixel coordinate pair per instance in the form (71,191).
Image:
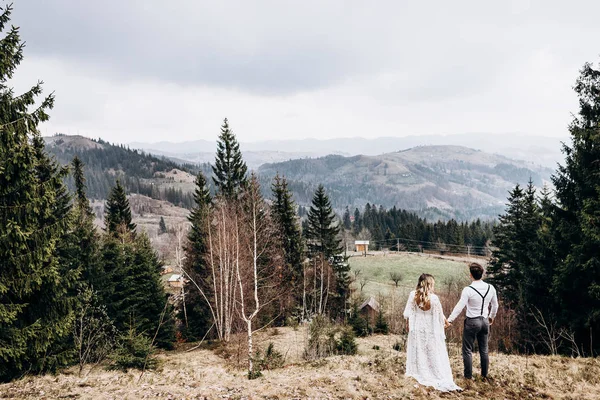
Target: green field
(376,270)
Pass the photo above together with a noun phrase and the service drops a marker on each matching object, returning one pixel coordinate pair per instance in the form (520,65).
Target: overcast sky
(133,70)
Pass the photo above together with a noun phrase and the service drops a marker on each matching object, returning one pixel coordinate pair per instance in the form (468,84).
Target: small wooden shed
(175,281)
(369,309)
(362,246)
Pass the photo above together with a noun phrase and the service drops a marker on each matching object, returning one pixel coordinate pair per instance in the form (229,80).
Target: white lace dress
(426,353)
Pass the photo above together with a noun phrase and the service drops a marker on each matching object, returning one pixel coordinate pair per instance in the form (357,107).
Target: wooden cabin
(369,310)
(362,246)
(175,281)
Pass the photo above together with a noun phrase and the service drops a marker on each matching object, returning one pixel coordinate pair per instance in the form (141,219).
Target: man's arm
(462,303)
(494,304)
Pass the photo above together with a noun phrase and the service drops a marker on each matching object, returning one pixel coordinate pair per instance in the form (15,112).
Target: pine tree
(133,291)
(84,246)
(82,202)
(506,267)
(162,226)
(577,217)
(35,303)
(197,317)
(522,266)
(322,229)
(229,169)
(324,245)
(118,213)
(357,225)
(346,219)
(286,220)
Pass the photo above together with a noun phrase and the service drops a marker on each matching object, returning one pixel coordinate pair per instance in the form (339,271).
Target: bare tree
(181,231)
(222,256)
(258,264)
(94,333)
(396,277)
(363,282)
(551,334)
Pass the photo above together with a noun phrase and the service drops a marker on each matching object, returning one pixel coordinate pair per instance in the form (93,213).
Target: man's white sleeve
(462,303)
(494,304)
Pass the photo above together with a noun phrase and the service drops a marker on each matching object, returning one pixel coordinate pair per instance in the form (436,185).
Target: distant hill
(437,181)
(538,150)
(140,172)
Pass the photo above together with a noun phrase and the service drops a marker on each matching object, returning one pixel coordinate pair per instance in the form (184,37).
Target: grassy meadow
(376,268)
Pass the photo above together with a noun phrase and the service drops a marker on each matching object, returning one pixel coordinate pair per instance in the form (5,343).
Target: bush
(359,325)
(134,351)
(397,346)
(347,342)
(321,338)
(381,325)
(272,359)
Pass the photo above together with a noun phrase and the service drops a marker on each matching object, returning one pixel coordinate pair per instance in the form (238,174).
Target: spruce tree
(506,266)
(117,213)
(162,226)
(85,244)
(286,219)
(229,169)
(81,199)
(324,244)
(133,291)
(35,292)
(196,316)
(577,218)
(346,219)
(522,265)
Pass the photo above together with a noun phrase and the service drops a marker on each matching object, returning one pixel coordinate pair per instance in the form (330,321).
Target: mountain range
(538,150)
(437,181)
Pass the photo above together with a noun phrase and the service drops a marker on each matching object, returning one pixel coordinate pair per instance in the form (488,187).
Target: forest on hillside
(138,171)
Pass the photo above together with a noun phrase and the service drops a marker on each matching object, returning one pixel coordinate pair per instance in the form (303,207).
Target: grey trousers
(475,328)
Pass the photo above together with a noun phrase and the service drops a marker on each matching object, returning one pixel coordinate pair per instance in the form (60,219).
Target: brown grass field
(371,374)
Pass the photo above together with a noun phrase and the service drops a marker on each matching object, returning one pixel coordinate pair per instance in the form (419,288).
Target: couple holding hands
(426,353)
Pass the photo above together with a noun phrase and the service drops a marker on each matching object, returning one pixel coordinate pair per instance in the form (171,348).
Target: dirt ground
(377,372)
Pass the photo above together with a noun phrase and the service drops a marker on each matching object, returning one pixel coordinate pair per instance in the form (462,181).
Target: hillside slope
(377,372)
(142,173)
(446,181)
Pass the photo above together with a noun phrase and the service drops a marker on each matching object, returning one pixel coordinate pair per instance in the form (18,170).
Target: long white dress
(426,353)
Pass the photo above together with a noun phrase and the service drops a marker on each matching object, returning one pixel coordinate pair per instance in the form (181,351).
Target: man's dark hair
(476,271)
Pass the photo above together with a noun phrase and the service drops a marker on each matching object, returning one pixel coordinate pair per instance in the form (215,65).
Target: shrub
(134,351)
(347,342)
(359,325)
(321,339)
(381,325)
(272,359)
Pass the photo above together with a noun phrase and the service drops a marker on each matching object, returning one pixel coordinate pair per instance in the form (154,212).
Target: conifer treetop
(229,169)
(118,213)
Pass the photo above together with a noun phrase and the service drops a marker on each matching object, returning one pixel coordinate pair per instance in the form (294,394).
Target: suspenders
(482,296)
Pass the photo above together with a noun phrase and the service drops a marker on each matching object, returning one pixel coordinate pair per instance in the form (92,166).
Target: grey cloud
(278,47)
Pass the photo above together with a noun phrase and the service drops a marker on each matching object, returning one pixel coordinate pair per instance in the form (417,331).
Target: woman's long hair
(423,292)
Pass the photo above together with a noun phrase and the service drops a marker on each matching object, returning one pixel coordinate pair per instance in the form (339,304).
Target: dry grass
(374,374)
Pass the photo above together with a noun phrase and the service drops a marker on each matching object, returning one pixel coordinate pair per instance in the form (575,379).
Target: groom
(477,297)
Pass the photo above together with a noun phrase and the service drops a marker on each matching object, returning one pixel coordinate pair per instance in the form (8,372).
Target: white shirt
(473,301)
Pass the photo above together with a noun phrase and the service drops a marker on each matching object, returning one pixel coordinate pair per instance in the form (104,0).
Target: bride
(426,355)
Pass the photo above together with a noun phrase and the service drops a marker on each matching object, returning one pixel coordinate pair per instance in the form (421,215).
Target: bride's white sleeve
(410,305)
(438,316)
